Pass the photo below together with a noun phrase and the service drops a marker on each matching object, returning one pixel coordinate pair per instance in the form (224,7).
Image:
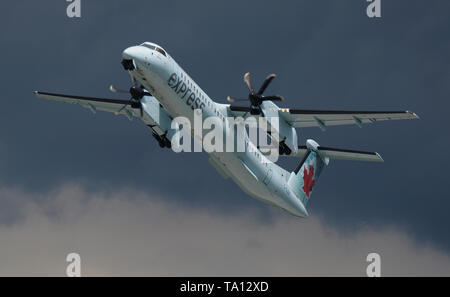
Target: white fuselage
(181,96)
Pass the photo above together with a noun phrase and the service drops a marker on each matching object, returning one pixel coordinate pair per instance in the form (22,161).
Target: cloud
(327,55)
(132,233)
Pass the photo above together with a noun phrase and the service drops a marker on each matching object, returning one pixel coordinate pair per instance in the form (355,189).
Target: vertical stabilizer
(304,178)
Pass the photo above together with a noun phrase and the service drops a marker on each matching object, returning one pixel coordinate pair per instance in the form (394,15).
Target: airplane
(161,90)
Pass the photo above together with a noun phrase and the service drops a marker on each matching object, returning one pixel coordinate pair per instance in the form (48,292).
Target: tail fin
(305,176)
(315,157)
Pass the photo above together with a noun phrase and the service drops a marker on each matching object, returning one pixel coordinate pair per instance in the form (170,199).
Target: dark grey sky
(327,54)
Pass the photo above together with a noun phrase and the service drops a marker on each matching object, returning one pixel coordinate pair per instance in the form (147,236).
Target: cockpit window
(152,47)
(158,49)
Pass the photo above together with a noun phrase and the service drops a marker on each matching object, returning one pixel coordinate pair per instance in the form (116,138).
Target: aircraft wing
(117,106)
(301,118)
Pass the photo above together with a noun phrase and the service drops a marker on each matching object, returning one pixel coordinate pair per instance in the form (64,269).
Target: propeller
(256,99)
(136,92)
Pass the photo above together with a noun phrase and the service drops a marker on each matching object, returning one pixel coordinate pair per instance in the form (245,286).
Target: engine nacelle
(158,120)
(288,141)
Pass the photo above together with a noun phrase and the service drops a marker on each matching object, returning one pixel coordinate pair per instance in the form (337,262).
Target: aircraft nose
(129,57)
(130,53)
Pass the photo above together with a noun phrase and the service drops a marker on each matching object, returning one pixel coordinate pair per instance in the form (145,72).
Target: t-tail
(304,178)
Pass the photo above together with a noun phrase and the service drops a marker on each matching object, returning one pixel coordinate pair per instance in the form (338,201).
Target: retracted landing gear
(284,149)
(162,140)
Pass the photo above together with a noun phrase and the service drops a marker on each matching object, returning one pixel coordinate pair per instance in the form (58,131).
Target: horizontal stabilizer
(323,118)
(342,154)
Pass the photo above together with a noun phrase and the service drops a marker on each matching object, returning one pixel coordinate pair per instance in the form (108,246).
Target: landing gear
(162,140)
(284,149)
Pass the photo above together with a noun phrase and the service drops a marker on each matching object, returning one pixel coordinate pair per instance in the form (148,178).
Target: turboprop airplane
(161,90)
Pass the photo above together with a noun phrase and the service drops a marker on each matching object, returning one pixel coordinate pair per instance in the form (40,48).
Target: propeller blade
(266,83)
(115,90)
(272,98)
(247,82)
(229,99)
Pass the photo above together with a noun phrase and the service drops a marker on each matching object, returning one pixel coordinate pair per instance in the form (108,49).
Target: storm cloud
(327,55)
(136,233)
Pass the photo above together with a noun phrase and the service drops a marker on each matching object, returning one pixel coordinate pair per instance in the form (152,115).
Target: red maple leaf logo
(308,181)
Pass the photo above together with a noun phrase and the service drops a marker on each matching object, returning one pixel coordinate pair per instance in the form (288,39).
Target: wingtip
(380,159)
(415,115)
